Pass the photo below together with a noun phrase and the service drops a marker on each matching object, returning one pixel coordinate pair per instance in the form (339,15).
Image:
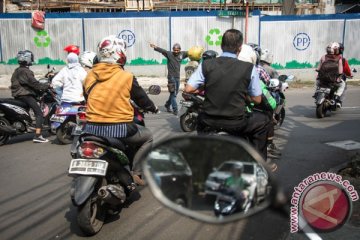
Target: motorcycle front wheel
(91,216)
(320,110)
(4,137)
(188,122)
(63,133)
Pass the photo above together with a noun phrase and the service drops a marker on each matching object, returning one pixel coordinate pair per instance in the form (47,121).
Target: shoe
(338,105)
(168,108)
(175,113)
(138,180)
(272,156)
(271,148)
(273,167)
(40,139)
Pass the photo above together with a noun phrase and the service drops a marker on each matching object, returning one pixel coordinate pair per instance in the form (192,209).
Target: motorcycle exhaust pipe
(7,129)
(114,195)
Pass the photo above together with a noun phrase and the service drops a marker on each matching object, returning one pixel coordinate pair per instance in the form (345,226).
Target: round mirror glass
(211,178)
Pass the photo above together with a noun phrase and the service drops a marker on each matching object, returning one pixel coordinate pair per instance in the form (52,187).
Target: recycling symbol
(214,34)
(42,39)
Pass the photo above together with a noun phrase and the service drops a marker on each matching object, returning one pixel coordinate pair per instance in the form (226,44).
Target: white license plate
(88,167)
(78,129)
(186,103)
(55,118)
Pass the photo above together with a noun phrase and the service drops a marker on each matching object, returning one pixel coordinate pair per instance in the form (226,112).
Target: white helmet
(247,54)
(274,83)
(333,48)
(266,56)
(112,49)
(87,59)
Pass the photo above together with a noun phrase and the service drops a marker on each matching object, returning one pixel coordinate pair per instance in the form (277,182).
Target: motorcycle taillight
(91,150)
(81,116)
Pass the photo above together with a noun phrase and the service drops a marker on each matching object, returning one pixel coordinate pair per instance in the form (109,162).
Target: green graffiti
(214,33)
(42,39)
(293,65)
(50,61)
(354,61)
(141,61)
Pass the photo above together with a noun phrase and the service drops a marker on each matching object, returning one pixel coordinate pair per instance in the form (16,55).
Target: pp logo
(128,36)
(301,41)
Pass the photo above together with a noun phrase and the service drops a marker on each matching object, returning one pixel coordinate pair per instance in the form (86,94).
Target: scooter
(64,121)
(16,118)
(227,203)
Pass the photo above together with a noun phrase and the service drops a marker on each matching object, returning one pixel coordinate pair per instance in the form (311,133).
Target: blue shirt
(197,78)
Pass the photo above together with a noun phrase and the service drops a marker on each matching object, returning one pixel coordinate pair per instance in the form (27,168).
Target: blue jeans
(172,97)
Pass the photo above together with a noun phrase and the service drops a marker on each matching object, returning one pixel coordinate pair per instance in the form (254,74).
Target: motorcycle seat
(14,102)
(108,141)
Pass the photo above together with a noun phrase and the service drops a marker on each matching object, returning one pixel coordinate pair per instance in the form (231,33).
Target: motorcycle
(64,121)
(16,118)
(101,171)
(277,87)
(325,100)
(219,149)
(227,203)
(190,107)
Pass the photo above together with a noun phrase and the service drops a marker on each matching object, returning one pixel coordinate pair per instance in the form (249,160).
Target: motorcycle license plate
(88,167)
(77,130)
(186,103)
(55,118)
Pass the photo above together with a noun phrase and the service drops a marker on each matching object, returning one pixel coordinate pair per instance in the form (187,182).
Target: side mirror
(154,90)
(284,78)
(216,185)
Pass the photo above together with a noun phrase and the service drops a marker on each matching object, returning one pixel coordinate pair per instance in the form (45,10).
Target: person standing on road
(174,59)
(24,87)
(230,84)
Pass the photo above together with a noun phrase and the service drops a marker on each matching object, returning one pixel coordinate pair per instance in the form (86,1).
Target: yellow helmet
(195,53)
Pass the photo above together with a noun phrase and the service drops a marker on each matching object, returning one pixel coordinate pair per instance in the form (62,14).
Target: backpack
(329,70)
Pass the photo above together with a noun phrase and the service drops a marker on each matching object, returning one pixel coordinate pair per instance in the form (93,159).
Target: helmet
(341,48)
(238,167)
(195,53)
(266,56)
(333,48)
(257,50)
(112,49)
(247,54)
(86,59)
(25,57)
(176,46)
(72,49)
(209,54)
(274,83)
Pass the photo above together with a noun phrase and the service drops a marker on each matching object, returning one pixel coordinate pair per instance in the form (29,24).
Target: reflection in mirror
(212,176)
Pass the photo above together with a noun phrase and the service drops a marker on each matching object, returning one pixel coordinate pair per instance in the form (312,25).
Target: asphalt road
(35,202)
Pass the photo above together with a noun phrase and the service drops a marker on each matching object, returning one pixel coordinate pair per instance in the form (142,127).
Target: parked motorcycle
(64,121)
(217,150)
(101,171)
(189,110)
(277,87)
(17,118)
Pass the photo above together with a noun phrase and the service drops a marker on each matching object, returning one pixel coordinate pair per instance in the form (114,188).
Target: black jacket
(24,83)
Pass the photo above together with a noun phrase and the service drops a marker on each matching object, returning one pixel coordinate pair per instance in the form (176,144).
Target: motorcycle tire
(4,137)
(280,118)
(91,216)
(188,122)
(320,110)
(63,133)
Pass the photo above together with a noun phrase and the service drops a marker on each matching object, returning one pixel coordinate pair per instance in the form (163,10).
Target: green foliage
(295,64)
(51,61)
(12,61)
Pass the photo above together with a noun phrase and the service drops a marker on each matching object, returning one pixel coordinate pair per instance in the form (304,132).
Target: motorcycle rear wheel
(280,118)
(188,122)
(3,136)
(63,133)
(91,216)
(320,110)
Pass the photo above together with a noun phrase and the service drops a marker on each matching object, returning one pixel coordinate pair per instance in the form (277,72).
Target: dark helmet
(25,57)
(257,50)
(341,48)
(209,54)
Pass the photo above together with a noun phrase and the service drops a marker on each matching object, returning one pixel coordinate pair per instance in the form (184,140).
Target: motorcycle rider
(24,87)
(229,85)
(87,59)
(109,112)
(174,59)
(332,76)
(68,83)
(266,59)
(236,185)
(268,103)
(346,70)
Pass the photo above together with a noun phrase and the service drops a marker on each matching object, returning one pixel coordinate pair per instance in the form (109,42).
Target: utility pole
(288,7)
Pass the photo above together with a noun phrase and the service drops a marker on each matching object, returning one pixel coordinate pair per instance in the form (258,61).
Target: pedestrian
(174,59)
